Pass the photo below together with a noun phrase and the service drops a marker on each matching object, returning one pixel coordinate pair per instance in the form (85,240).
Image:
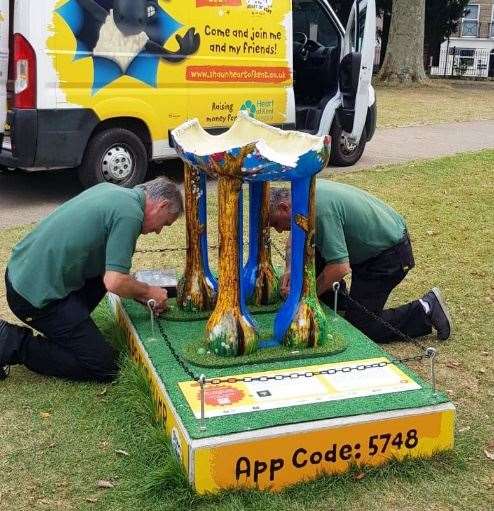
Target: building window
(465,59)
(470,21)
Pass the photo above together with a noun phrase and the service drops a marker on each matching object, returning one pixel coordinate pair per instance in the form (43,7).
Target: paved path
(400,145)
(25,198)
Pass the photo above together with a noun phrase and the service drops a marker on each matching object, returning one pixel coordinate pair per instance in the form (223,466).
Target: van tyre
(344,154)
(115,156)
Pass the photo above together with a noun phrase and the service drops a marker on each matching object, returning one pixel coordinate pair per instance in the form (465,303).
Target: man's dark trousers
(71,346)
(372,283)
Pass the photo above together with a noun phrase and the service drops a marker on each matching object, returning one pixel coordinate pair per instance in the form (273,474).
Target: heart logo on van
(249,107)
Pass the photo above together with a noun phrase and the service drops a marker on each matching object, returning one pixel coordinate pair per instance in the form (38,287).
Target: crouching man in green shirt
(359,234)
(60,272)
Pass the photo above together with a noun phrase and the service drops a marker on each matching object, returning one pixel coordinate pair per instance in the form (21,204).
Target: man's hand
(332,272)
(160,296)
(128,287)
(285,284)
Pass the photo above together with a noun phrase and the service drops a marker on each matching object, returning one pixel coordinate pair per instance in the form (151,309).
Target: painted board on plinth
(284,456)
(268,390)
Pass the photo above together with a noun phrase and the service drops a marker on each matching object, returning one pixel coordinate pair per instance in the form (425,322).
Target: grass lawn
(441,101)
(58,439)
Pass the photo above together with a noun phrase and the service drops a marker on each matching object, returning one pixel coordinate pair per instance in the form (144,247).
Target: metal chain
(211,247)
(158,250)
(173,249)
(311,374)
(287,376)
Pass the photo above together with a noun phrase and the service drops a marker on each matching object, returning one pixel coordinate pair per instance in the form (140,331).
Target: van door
(356,65)
(4,63)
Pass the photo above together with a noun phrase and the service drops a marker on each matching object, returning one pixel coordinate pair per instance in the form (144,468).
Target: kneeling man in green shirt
(359,234)
(59,273)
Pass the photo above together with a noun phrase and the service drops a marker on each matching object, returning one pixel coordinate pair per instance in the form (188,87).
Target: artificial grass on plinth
(359,348)
(193,354)
(196,354)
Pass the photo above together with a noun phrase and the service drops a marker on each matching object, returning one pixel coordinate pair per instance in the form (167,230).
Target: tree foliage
(441,20)
(342,8)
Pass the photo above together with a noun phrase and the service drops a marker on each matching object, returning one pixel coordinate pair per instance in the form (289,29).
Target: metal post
(151,306)
(336,288)
(446,60)
(431,353)
(202,383)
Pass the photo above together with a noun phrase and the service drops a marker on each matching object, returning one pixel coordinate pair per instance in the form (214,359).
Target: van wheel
(115,156)
(343,152)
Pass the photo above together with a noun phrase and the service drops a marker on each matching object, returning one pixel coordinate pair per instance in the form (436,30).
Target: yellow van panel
(243,60)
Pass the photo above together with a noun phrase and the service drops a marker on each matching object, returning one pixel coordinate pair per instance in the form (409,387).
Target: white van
(100,84)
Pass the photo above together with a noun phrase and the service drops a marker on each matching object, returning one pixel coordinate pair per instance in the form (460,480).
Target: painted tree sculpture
(254,153)
(197,288)
(260,279)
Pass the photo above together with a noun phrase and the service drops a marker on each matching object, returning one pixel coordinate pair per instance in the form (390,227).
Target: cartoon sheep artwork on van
(125,37)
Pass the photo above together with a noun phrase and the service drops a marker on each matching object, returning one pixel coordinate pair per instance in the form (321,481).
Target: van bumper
(47,139)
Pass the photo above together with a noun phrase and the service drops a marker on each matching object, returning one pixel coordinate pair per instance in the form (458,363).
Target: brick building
(470,51)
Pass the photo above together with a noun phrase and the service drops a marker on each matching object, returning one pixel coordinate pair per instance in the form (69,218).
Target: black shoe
(438,314)
(3,336)
(4,372)
(11,337)
(4,369)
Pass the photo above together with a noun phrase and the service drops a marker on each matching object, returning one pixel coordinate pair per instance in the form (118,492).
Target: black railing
(461,62)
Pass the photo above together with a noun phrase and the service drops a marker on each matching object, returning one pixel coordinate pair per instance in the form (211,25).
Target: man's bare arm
(126,286)
(333,272)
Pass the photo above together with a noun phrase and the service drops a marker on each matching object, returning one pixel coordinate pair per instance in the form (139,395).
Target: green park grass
(439,101)
(58,439)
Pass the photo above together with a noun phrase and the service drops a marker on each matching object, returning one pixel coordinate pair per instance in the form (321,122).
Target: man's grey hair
(161,189)
(277,196)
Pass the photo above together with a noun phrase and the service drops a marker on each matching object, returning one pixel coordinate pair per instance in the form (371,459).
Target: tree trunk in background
(403,62)
(384,37)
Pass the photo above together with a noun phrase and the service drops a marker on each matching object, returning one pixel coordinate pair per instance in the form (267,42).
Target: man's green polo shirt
(94,232)
(352,225)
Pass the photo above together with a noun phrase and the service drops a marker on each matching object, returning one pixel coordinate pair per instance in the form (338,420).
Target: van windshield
(311,19)
(316,54)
